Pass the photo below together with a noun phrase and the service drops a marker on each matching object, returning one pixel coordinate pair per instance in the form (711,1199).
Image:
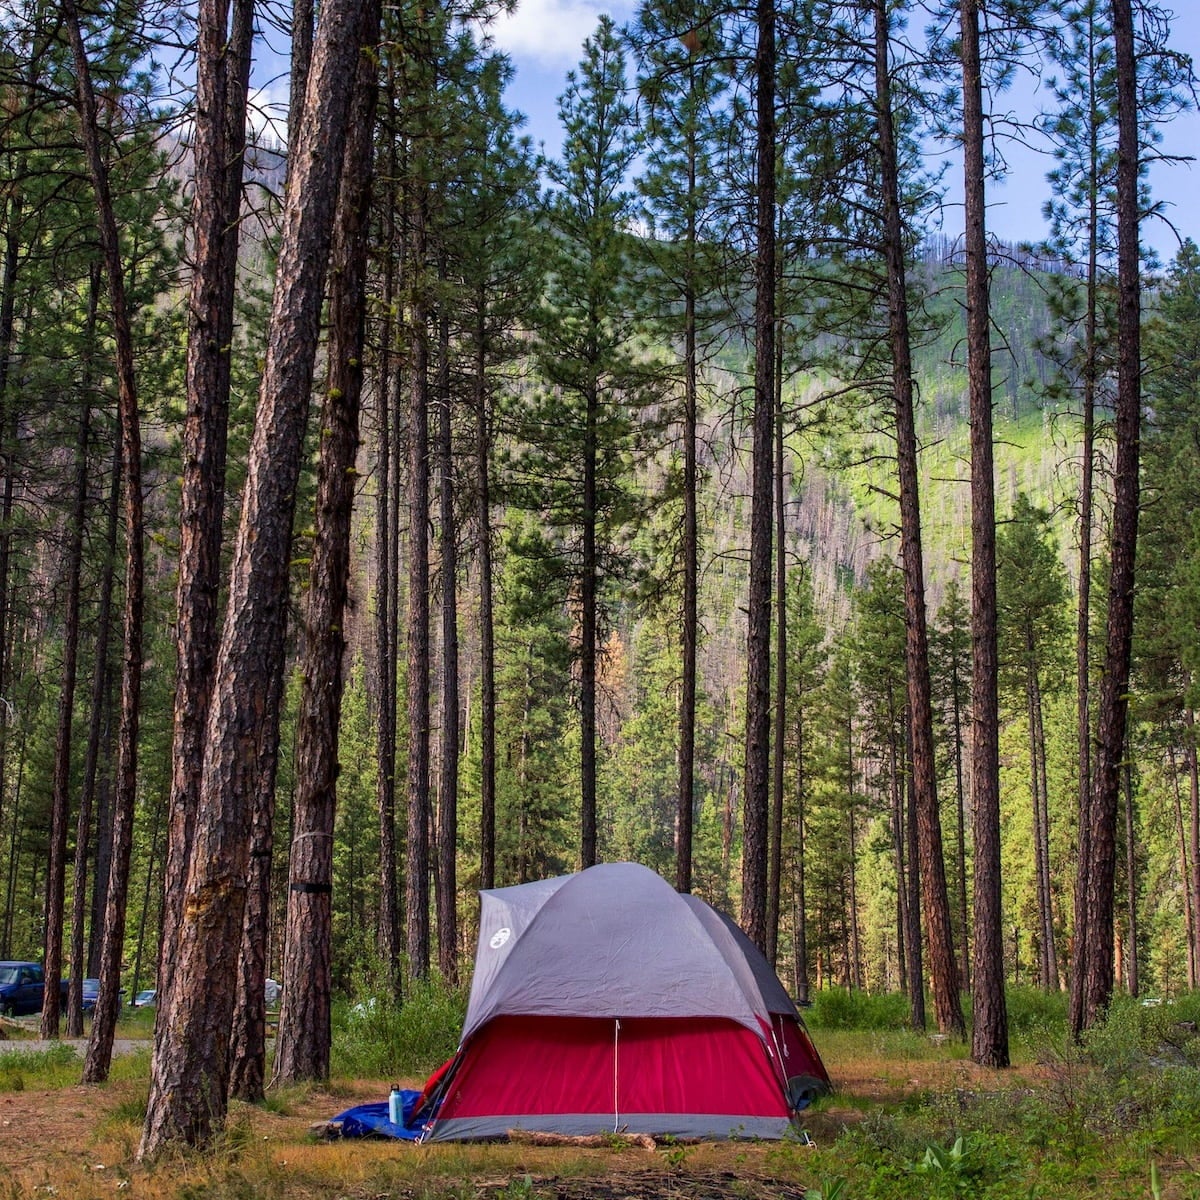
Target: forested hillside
(466,517)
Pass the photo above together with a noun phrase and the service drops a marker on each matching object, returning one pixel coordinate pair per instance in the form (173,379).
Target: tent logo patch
(500,937)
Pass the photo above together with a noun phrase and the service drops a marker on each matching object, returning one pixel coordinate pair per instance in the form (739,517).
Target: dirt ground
(81,1141)
(78,1141)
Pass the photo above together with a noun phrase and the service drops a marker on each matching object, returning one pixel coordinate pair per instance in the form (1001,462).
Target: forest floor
(888,1132)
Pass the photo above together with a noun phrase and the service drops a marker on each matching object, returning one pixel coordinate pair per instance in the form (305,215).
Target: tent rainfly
(607,1001)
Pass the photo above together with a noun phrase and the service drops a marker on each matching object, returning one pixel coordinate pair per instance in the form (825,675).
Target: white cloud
(267,111)
(550,33)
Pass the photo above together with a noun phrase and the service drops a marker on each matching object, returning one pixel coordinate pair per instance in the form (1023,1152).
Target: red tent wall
(683,1076)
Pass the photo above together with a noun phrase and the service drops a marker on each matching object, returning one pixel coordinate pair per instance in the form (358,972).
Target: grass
(913,1117)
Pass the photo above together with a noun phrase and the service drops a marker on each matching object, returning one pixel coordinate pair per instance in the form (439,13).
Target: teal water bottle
(396,1106)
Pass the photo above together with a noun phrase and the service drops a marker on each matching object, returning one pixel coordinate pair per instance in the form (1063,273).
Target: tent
(607,1001)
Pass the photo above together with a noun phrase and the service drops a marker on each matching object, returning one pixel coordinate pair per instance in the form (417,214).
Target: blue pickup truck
(21,987)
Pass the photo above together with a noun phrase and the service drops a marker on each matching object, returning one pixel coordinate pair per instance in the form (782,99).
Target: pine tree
(758,603)
(682,83)
(305,1032)
(189,1073)
(989,1037)
(590,425)
(1167,646)
(950,658)
(491,215)
(1092,957)
(1031,588)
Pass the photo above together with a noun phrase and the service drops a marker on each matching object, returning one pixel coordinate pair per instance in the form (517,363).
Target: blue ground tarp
(371,1120)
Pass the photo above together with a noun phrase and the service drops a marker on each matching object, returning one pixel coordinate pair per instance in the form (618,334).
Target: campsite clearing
(1048,1128)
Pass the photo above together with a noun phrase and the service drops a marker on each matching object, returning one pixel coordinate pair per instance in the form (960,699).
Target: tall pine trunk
(8,418)
(63,739)
(387,540)
(779,716)
(689,625)
(80,957)
(989,1038)
(1132,978)
(189,1072)
(248,1035)
(487,625)
(218,145)
(104,1017)
(1194,813)
(588,587)
(800,920)
(305,1030)
(1092,960)
(447,823)
(417,876)
(758,644)
(943,967)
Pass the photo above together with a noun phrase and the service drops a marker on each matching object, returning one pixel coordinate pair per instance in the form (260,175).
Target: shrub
(842,1008)
(373,1037)
(1031,1010)
(1136,1035)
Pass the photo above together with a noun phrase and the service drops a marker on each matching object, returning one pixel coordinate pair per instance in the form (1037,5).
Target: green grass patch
(56,1066)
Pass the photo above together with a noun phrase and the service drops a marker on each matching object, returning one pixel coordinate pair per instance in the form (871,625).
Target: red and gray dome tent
(606,1000)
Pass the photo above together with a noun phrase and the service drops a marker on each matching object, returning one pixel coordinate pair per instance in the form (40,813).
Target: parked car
(22,985)
(149,997)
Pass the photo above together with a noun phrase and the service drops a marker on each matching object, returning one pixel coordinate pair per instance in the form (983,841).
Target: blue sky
(544,39)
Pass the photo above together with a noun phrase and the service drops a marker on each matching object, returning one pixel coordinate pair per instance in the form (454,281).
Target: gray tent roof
(612,941)
(755,973)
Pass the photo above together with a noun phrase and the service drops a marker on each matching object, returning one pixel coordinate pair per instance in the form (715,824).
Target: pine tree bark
(152,868)
(800,921)
(1087,451)
(1132,978)
(81,960)
(248,1034)
(960,822)
(1083,683)
(487,622)
(104,724)
(1194,795)
(8,414)
(386,610)
(588,587)
(1092,960)
(417,871)
(912,927)
(989,1037)
(1185,870)
(1049,959)
(218,146)
(104,1017)
(305,1032)
(689,623)
(943,967)
(189,1072)
(758,643)
(779,716)
(899,854)
(447,824)
(60,805)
